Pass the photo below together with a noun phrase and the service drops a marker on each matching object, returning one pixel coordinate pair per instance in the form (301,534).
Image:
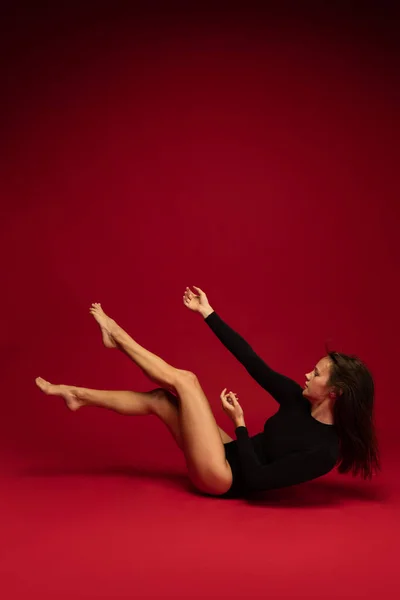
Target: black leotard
(294,447)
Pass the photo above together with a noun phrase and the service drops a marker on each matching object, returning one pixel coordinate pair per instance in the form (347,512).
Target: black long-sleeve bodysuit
(294,447)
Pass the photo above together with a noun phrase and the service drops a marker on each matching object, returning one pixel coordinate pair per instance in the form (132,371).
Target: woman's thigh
(166,409)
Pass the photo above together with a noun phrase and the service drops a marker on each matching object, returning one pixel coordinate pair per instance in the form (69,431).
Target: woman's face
(316,388)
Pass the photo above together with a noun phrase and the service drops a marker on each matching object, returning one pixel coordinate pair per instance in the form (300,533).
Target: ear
(335,393)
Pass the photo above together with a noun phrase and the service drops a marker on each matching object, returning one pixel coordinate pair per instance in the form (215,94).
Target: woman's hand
(232,408)
(197,302)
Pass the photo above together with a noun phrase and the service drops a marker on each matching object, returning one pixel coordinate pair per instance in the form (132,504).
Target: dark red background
(252,154)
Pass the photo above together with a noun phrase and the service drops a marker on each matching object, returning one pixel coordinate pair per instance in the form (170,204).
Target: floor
(111,531)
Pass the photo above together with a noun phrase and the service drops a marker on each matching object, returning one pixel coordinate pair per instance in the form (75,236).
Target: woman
(327,422)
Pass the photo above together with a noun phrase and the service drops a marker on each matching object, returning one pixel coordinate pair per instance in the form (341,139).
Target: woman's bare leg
(202,444)
(154,367)
(157,402)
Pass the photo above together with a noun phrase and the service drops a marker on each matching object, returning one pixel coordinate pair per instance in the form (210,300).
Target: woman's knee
(214,481)
(186,378)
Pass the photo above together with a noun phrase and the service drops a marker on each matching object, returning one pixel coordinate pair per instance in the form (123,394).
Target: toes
(42,383)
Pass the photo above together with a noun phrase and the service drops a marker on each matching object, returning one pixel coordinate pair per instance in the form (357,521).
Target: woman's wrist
(206,312)
(240,423)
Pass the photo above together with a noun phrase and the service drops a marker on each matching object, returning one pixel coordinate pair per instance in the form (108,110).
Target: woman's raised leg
(158,402)
(154,367)
(202,443)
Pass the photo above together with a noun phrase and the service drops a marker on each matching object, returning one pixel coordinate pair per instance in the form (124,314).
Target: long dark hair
(354,415)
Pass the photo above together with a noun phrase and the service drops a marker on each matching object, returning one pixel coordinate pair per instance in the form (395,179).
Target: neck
(323,412)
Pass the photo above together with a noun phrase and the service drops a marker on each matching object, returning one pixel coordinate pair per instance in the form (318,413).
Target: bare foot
(65,391)
(104,322)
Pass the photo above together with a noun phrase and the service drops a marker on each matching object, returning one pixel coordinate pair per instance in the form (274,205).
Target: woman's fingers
(188,296)
(227,406)
(188,293)
(226,400)
(231,395)
(198,289)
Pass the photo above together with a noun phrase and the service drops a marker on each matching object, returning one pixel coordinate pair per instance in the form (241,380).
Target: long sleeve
(290,470)
(279,386)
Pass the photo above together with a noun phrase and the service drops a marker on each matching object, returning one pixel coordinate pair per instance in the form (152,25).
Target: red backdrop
(249,155)
(140,157)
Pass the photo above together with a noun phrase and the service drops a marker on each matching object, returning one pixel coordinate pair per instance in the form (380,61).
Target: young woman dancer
(326,423)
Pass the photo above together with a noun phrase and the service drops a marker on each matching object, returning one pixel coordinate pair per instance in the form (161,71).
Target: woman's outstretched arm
(282,388)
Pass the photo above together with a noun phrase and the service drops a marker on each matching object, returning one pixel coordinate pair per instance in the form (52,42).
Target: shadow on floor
(308,495)
(169,477)
(321,493)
